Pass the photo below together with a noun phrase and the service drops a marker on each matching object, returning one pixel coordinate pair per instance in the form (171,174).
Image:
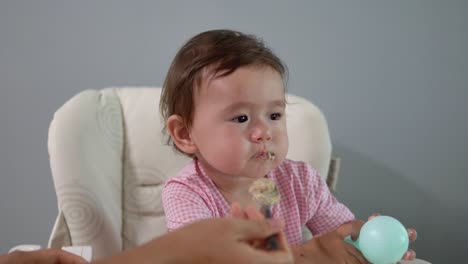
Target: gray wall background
(391,77)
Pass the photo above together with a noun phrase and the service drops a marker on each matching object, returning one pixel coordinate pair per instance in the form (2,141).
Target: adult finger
(256,229)
(236,211)
(356,254)
(355,260)
(60,256)
(261,256)
(252,213)
(283,242)
(273,257)
(260,229)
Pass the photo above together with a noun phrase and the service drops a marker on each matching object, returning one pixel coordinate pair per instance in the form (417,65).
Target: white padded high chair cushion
(109,162)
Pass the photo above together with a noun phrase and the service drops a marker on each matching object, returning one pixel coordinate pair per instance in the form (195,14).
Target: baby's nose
(261,133)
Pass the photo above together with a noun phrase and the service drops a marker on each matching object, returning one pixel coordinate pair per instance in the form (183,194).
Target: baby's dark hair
(216,53)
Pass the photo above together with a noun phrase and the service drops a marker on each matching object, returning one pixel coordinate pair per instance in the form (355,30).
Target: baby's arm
(330,222)
(330,247)
(325,212)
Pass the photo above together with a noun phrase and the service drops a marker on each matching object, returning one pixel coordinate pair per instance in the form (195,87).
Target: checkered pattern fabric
(305,200)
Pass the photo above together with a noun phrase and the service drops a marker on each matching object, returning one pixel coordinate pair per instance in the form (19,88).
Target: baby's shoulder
(187,177)
(295,168)
(296,172)
(186,187)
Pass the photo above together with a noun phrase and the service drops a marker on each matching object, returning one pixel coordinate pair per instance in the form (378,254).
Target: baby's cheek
(283,146)
(228,155)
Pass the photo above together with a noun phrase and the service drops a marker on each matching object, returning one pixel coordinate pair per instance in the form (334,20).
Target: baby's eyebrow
(240,105)
(280,103)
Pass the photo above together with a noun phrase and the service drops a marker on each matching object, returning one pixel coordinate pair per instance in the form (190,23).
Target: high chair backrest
(109,162)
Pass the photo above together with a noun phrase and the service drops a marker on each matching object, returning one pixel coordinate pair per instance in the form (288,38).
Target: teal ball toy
(382,240)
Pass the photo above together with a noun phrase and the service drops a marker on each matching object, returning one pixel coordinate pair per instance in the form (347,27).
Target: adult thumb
(258,229)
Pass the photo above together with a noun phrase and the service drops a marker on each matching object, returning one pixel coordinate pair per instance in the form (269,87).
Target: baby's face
(239,122)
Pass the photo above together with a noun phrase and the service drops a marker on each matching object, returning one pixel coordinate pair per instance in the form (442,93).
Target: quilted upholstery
(109,163)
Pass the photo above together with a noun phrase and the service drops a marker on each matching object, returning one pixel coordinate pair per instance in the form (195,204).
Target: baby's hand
(412,234)
(331,247)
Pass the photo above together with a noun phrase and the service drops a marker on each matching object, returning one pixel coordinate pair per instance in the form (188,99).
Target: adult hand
(42,256)
(230,241)
(211,241)
(251,212)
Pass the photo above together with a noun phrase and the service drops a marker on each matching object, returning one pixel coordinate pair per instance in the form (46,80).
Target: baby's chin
(251,169)
(261,170)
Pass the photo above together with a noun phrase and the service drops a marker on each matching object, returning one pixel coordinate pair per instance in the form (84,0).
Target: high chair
(109,162)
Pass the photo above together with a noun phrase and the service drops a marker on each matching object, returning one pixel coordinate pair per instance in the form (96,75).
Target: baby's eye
(275,116)
(241,119)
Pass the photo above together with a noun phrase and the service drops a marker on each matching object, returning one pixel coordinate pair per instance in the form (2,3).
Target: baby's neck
(241,196)
(233,189)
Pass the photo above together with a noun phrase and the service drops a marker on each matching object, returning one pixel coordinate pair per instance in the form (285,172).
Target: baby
(223,101)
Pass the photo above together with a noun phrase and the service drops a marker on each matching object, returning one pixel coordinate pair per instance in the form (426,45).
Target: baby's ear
(180,134)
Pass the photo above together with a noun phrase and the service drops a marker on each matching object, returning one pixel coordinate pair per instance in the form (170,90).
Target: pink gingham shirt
(305,200)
